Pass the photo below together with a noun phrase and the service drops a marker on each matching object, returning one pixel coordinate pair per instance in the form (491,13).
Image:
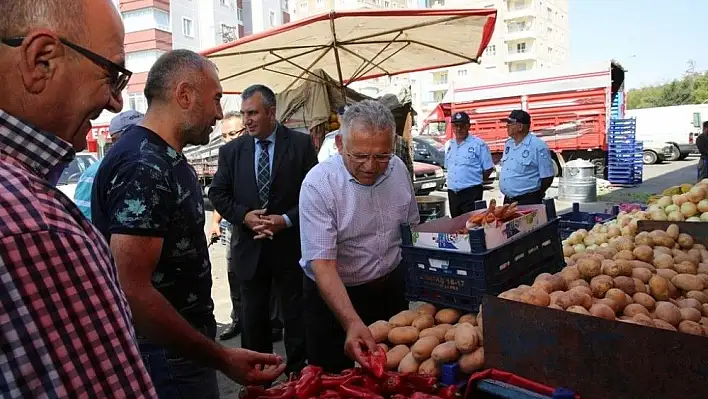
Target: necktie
(264,173)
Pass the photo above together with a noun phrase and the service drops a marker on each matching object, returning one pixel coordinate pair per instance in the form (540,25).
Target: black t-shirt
(146,188)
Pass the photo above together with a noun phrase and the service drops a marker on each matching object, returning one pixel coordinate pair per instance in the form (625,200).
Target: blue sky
(653,39)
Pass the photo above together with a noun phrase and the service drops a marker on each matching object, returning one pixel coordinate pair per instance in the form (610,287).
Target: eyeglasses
(362,158)
(119,76)
(233,133)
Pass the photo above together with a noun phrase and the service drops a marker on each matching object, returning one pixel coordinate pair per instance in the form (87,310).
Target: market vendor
(469,163)
(527,167)
(351,209)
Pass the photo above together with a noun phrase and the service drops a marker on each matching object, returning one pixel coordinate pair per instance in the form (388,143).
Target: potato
(632,264)
(445,352)
(472,362)
(543,277)
(659,288)
(450,334)
(569,262)
(666,273)
(429,367)
(658,323)
(403,319)
(642,319)
(682,257)
(642,274)
(395,355)
(663,250)
(626,284)
(403,335)
(644,299)
(663,241)
(610,268)
(444,327)
(668,312)
(688,303)
(583,289)
(423,348)
(379,330)
(695,256)
(685,241)
(686,267)
(673,231)
(574,298)
(578,283)
(466,338)
(611,303)
(536,296)
(624,254)
(673,291)
(690,314)
(555,306)
(618,296)
(447,316)
(639,286)
(704,321)
(543,285)
(589,268)
(643,239)
(603,311)
(697,295)
(383,347)
(702,268)
(554,296)
(643,252)
(468,318)
(408,364)
(558,281)
(578,309)
(423,322)
(703,278)
(633,309)
(426,308)
(570,273)
(691,327)
(687,282)
(600,284)
(435,332)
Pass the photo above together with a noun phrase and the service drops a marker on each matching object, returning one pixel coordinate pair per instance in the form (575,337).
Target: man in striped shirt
(351,209)
(65,324)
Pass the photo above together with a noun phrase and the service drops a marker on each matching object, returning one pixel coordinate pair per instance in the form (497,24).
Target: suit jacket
(234,193)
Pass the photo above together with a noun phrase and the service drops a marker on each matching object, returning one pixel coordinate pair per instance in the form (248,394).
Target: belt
(518,197)
(466,188)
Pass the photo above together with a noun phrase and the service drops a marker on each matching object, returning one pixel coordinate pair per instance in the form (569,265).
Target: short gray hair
(17,17)
(169,69)
(376,117)
(267,94)
(232,114)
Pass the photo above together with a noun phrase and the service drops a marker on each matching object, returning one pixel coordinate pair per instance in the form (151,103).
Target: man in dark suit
(257,188)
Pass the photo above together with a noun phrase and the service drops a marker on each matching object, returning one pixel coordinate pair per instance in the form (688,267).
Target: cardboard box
(444,233)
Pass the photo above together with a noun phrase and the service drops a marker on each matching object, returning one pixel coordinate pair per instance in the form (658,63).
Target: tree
(691,88)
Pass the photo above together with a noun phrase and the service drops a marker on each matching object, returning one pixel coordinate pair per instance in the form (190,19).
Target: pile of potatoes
(424,339)
(657,279)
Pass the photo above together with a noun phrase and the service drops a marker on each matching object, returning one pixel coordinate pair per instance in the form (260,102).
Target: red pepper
(310,369)
(369,384)
(335,380)
(308,385)
(421,395)
(377,362)
(394,384)
(349,391)
(449,392)
(399,396)
(286,392)
(330,394)
(421,382)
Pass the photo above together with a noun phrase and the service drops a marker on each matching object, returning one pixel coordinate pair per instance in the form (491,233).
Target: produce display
(657,279)
(493,214)
(333,122)
(422,340)
(677,204)
(370,383)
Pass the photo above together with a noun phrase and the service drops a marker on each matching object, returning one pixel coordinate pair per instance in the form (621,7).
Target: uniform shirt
(358,226)
(82,194)
(524,165)
(466,162)
(146,188)
(65,323)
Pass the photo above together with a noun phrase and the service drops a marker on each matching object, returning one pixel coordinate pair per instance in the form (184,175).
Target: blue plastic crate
(460,280)
(576,220)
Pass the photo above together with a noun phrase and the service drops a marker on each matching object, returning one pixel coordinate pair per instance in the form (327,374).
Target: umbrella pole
(336,56)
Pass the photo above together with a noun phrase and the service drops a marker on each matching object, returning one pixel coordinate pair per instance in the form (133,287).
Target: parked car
(428,150)
(656,152)
(70,176)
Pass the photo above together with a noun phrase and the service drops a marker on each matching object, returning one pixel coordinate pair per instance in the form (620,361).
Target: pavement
(656,179)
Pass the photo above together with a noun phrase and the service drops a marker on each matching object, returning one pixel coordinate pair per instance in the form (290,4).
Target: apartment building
(153,27)
(529,34)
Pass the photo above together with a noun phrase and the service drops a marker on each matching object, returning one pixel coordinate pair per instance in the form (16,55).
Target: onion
(614,231)
(626,231)
(703,206)
(578,248)
(653,208)
(671,208)
(589,240)
(704,216)
(658,215)
(694,219)
(664,201)
(688,209)
(568,251)
(679,199)
(696,194)
(676,216)
(582,233)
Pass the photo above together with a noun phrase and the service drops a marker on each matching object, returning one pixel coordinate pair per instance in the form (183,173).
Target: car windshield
(73,171)
(430,141)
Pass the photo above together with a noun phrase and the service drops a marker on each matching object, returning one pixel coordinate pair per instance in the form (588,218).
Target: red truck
(570,111)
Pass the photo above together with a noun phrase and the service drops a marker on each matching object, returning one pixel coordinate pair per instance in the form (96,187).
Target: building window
(271,17)
(187,27)
(137,102)
(141,61)
(224,2)
(146,18)
(491,50)
(286,6)
(461,72)
(520,67)
(239,14)
(549,12)
(320,3)
(549,31)
(440,78)
(387,4)
(303,6)
(550,51)
(520,47)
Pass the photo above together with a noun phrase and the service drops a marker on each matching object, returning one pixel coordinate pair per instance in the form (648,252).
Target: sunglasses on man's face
(119,76)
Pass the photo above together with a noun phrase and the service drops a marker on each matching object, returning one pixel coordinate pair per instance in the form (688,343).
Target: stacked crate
(624,155)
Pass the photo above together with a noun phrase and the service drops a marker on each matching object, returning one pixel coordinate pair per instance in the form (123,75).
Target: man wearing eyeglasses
(67,328)
(119,123)
(352,207)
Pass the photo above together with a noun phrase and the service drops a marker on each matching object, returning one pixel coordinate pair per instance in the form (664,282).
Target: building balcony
(526,12)
(520,34)
(518,56)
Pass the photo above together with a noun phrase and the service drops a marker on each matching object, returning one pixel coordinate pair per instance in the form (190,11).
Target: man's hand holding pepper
(359,343)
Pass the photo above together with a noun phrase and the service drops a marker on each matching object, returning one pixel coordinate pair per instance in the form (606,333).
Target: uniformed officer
(469,163)
(527,168)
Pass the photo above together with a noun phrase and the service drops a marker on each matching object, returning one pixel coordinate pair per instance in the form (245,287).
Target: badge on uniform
(525,154)
(506,150)
(471,149)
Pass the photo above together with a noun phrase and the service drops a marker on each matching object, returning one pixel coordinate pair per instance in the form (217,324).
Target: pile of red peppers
(372,382)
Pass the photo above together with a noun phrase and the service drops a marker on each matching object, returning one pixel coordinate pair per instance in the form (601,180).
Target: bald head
(173,68)
(66,18)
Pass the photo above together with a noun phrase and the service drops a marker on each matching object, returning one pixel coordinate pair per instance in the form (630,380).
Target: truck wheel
(650,157)
(206,191)
(675,154)
(683,156)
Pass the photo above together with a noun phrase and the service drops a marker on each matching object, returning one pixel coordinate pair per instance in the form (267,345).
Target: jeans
(175,377)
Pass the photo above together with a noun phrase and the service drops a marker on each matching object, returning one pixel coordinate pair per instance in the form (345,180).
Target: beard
(196,134)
